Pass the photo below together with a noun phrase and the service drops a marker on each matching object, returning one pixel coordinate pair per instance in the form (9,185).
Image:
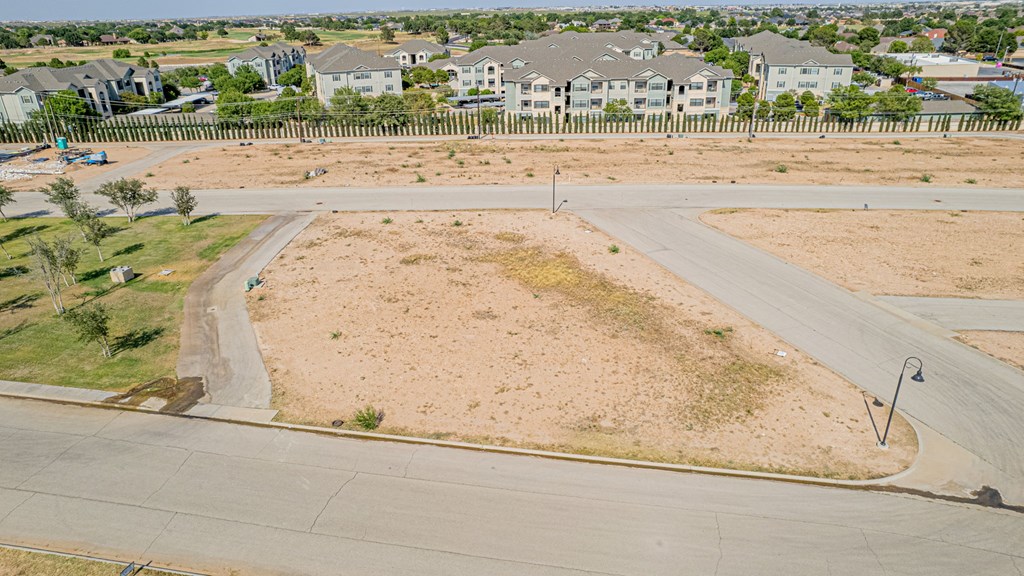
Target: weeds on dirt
(335,335)
(613,249)
(369,418)
(782,168)
(970,181)
(416,259)
(510,237)
(386,220)
(719,333)
(457,223)
(926,178)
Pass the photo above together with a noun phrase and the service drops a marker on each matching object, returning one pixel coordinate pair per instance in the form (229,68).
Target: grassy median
(37,345)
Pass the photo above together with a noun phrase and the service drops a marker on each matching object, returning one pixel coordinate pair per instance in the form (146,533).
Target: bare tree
(6,198)
(94,230)
(93,325)
(128,195)
(184,203)
(47,267)
(68,258)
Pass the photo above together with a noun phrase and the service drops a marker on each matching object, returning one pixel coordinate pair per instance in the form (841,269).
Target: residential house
(344,66)
(782,64)
(269,61)
(257,38)
(606,25)
(41,40)
(115,39)
(176,31)
(416,53)
(99,83)
(666,85)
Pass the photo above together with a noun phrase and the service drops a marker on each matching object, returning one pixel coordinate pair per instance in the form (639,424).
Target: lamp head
(556,171)
(918,376)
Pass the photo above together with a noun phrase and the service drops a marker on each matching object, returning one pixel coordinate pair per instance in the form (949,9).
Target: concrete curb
(877,483)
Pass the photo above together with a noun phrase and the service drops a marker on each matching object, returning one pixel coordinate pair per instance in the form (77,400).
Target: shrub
(369,418)
(614,249)
(386,220)
(451,154)
(457,223)
(970,181)
(529,174)
(420,178)
(897,142)
(782,169)
(335,335)
(926,177)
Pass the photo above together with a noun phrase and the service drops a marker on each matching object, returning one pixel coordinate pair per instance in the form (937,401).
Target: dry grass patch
(519,328)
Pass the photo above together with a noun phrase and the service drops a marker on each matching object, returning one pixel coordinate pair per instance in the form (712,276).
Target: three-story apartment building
(782,64)
(269,61)
(344,66)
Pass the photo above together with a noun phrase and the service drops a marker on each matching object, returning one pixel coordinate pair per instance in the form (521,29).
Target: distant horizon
(109,10)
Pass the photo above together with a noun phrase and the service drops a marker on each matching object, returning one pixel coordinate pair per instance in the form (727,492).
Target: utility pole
(479,116)
(298,114)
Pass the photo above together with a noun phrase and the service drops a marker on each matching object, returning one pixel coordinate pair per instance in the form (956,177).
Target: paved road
(210,496)
(968,397)
(964,313)
(217,339)
(136,168)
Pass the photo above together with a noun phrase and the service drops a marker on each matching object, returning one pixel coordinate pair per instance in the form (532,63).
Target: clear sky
(142,9)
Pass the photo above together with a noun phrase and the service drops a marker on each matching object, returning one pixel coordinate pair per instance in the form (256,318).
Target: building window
(490,82)
(579,104)
(623,86)
(479,69)
(595,102)
(697,102)
(490,69)
(780,84)
(639,102)
(524,89)
(835,85)
(712,86)
(640,86)
(541,104)
(595,86)
(364,89)
(389,88)
(809,85)
(336,77)
(26,99)
(657,86)
(696,85)
(540,88)
(656,103)
(361,76)
(467,82)
(580,87)
(782,70)
(527,103)
(387,73)
(467,69)
(809,71)
(837,71)
(709,101)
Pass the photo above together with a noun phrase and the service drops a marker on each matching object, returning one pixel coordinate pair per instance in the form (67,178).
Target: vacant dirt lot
(117,155)
(994,163)
(907,253)
(523,328)
(1006,346)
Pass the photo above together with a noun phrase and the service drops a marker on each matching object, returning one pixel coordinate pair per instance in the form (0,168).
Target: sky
(144,9)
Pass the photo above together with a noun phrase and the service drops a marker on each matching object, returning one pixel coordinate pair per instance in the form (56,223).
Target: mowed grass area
(14,562)
(38,346)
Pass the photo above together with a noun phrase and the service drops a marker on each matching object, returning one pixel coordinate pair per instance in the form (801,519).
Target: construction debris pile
(27,162)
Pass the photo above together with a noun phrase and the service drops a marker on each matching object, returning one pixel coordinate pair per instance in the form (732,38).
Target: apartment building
(671,84)
(416,53)
(269,61)
(782,64)
(99,83)
(344,66)
(484,69)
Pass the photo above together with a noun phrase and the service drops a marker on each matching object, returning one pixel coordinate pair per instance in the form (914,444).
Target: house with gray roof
(416,53)
(782,64)
(343,66)
(670,84)
(269,61)
(100,83)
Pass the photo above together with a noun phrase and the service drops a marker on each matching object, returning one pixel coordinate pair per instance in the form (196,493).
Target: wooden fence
(191,128)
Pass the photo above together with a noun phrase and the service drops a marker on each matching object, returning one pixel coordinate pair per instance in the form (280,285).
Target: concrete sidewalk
(964,313)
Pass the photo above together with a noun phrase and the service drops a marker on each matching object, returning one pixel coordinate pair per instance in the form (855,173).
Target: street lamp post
(917,377)
(554,176)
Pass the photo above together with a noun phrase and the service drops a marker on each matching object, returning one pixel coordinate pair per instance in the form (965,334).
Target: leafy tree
(387,35)
(477,44)
(292,77)
(826,35)
(784,107)
(67,108)
(897,104)
(705,40)
(140,35)
(122,53)
(867,38)
(897,47)
(745,106)
(63,193)
(349,104)
(93,325)
(245,80)
(184,203)
(419,102)
(44,259)
(389,110)
(864,77)
(809,103)
(222,32)
(438,56)
(1000,103)
(94,229)
(232,104)
(922,44)
(441,35)
(67,259)
(6,198)
(309,38)
(849,103)
(128,195)
(618,110)
(960,36)
(763,110)
(929,83)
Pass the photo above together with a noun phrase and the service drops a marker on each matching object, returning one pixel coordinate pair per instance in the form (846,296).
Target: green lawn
(38,346)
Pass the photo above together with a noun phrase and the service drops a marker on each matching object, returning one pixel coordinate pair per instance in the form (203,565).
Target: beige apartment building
(782,64)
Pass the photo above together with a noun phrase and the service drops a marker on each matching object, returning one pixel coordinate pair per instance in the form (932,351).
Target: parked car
(913,90)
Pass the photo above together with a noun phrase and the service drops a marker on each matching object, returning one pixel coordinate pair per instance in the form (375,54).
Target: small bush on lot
(386,220)
(369,418)
(782,169)
(614,249)
(926,178)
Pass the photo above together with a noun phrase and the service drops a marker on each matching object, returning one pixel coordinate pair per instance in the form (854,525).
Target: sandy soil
(117,154)
(905,253)
(1006,346)
(662,160)
(524,329)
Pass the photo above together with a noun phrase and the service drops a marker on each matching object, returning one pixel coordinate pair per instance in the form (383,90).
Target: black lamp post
(917,377)
(555,208)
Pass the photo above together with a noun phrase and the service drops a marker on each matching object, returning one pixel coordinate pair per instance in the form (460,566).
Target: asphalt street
(215,497)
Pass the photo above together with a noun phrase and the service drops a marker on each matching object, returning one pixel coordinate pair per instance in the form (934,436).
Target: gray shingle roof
(674,66)
(413,46)
(267,52)
(46,79)
(343,58)
(779,50)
